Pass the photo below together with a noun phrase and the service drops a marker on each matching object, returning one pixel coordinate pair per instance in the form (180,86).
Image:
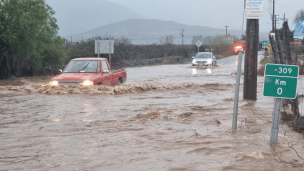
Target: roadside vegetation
(266,59)
(222,46)
(124,50)
(28,38)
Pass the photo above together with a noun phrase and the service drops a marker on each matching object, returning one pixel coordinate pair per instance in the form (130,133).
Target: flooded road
(168,117)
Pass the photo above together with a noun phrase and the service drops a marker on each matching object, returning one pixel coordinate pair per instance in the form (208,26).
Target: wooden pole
(286,41)
(251,55)
(280,48)
(274,49)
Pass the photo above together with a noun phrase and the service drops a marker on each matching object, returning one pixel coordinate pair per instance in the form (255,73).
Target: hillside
(150,30)
(77,16)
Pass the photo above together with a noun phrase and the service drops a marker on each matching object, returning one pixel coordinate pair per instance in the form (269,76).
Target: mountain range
(79,20)
(147,31)
(77,16)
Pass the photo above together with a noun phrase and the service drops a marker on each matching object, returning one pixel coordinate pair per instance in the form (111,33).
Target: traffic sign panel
(265,43)
(254,8)
(199,43)
(282,70)
(269,47)
(280,81)
(103,46)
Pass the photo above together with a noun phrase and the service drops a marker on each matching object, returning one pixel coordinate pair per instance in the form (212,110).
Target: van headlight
(209,60)
(194,61)
(54,82)
(87,82)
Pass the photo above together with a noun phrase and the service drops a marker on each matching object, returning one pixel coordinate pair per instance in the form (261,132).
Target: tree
(299,15)
(222,45)
(197,38)
(123,48)
(243,37)
(167,39)
(291,33)
(28,33)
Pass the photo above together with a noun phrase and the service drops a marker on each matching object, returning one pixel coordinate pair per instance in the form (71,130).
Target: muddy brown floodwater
(168,117)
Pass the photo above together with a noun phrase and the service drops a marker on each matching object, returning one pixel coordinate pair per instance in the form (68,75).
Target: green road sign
(265,43)
(280,81)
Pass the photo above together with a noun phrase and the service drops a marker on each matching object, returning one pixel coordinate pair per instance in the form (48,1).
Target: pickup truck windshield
(203,56)
(83,66)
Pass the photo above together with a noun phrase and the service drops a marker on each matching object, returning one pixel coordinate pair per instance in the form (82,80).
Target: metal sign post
(110,53)
(280,81)
(236,94)
(275,121)
(198,44)
(98,47)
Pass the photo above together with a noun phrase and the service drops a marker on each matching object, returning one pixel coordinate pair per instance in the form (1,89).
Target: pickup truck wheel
(119,81)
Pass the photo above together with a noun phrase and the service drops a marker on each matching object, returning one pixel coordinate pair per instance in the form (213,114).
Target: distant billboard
(299,33)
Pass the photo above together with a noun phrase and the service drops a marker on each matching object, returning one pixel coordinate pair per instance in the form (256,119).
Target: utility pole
(273,16)
(251,53)
(275,21)
(182,36)
(284,18)
(226,30)
(250,64)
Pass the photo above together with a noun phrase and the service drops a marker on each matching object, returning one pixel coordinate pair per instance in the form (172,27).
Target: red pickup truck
(90,71)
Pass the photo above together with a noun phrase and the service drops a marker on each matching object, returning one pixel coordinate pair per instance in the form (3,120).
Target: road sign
(273,35)
(265,43)
(280,81)
(104,46)
(199,43)
(254,9)
(299,33)
(269,47)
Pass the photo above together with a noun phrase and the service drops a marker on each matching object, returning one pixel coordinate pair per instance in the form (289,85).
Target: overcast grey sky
(211,13)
